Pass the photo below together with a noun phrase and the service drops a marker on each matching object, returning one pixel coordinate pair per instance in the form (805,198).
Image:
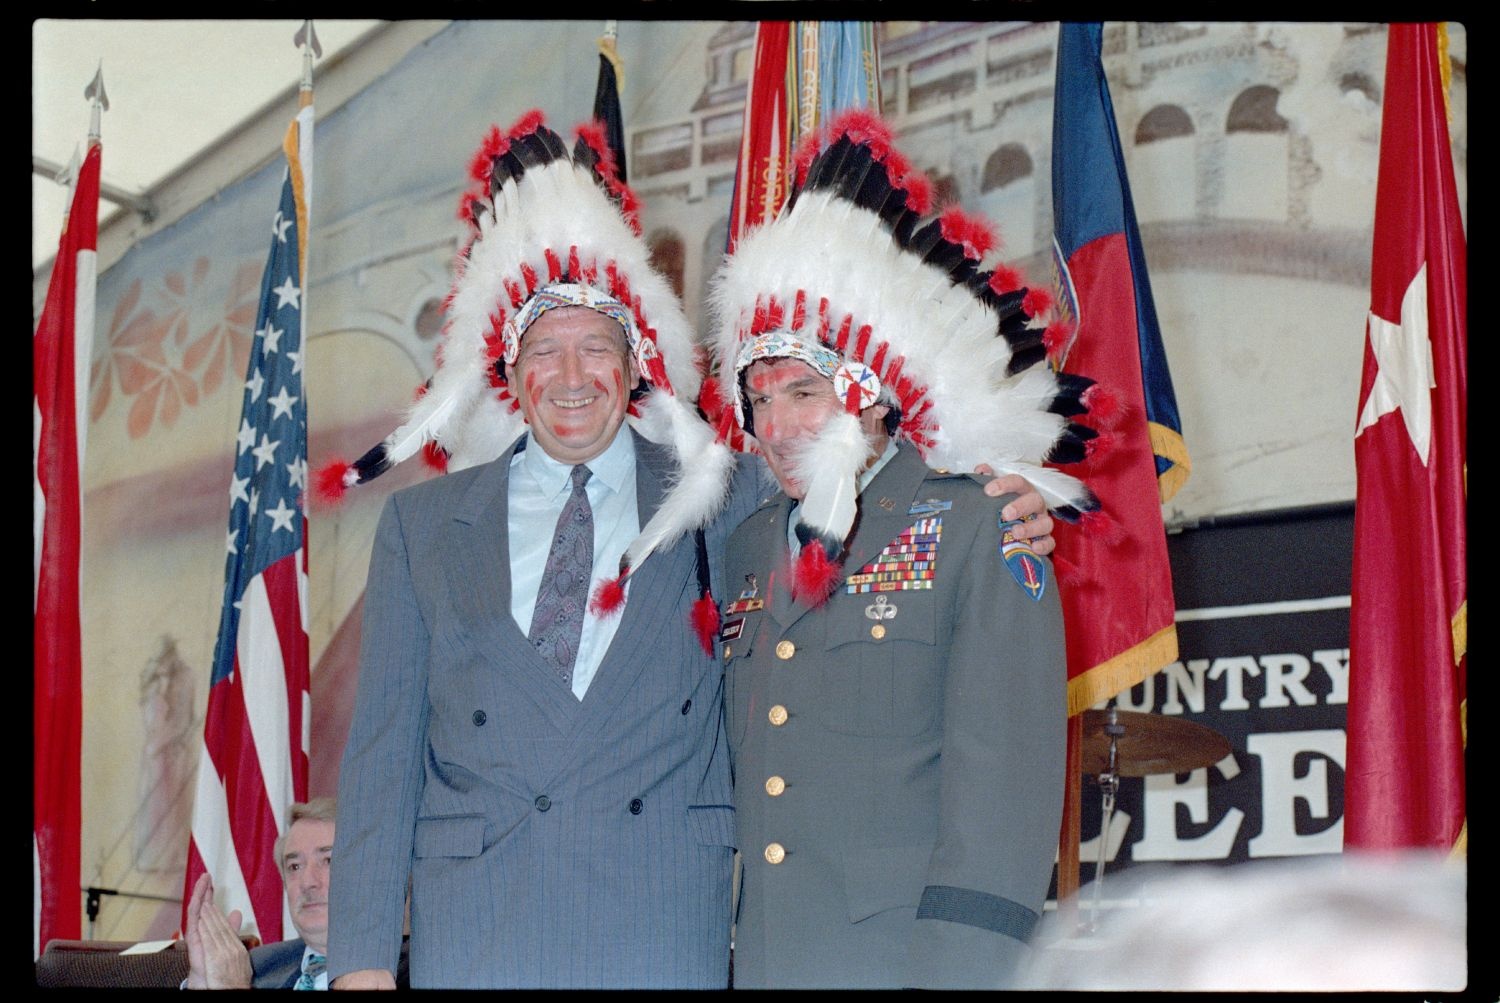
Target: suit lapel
(477,556)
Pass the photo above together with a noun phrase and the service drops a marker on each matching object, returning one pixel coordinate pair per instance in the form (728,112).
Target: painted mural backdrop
(1252,154)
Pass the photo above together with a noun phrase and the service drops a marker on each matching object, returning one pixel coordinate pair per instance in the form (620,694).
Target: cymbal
(1150,744)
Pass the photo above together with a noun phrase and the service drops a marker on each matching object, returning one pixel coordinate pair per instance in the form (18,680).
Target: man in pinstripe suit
(561,830)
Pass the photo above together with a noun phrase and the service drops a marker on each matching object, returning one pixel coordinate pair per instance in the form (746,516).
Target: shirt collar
(885,457)
(613,467)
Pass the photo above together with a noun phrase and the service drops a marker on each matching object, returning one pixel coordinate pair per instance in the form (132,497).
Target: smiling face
(305,861)
(790,402)
(573,376)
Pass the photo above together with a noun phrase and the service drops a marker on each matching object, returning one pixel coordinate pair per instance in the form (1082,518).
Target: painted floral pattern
(163,357)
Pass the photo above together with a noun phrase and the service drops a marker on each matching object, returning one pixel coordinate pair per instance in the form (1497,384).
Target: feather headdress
(548,222)
(850,267)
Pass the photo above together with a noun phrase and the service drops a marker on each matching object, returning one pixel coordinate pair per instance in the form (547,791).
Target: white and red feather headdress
(958,351)
(544,221)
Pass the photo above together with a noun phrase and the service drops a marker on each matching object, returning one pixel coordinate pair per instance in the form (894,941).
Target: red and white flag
(59,367)
(1408,633)
(255,735)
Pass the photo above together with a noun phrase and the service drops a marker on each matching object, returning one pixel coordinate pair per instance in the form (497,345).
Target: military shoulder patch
(1025,567)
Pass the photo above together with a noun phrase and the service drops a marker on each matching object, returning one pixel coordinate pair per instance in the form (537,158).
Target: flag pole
(307,40)
(100,103)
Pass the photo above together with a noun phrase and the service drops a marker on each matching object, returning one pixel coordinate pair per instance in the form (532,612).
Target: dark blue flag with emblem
(607,98)
(1118,607)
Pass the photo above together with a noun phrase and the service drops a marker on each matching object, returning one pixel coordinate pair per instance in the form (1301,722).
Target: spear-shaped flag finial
(95,93)
(308,36)
(307,40)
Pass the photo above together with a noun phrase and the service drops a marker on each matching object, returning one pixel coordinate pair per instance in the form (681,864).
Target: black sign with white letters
(1263,642)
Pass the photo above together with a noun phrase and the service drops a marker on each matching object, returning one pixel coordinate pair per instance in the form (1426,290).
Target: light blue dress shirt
(539,488)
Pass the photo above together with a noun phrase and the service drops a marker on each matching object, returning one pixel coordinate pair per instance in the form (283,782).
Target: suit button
(877,631)
(543,802)
(775,853)
(728,651)
(479,718)
(774,786)
(785,650)
(778,715)
(635,806)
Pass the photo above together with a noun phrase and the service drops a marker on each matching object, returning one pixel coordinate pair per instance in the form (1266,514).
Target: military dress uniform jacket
(550,842)
(898,755)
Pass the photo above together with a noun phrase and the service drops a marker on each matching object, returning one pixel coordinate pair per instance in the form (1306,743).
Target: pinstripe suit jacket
(549,842)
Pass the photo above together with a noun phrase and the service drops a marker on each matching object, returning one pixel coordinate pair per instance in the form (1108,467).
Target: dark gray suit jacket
(278,965)
(549,842)
(917,742)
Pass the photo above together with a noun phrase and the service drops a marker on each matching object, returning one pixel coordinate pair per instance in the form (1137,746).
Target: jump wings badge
(1025,567)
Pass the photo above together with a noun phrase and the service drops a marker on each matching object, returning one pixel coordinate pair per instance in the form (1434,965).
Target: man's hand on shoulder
(365,978)
(1036,522)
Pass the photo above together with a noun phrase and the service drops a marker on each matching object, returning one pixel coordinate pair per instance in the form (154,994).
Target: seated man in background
(217,958)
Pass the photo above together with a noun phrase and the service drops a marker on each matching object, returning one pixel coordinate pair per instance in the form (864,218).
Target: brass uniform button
(775,853)
(778,715)
(877,631)
(728,651)
(785,650)
(774,786)
(941,470)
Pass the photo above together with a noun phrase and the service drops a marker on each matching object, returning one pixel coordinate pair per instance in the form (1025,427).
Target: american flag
(255,735)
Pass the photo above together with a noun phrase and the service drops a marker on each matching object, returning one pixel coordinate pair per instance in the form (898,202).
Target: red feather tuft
(592,133)
(896,166)
(332,481)
(1055,337)
(435,456)
(1098,445)
(704,617)
(1099,526)
(862,126)
(1037,301)
(975,233)
(711,399)
(630,207)
(466,207)
(807,151)
(1006,280)
(525,125)
(815,576)
(918,192)
(482,163)
(729,431)
(609,596)
(1105,406)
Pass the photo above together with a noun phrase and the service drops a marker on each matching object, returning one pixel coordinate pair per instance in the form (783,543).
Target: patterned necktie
(557,621)
(313,965)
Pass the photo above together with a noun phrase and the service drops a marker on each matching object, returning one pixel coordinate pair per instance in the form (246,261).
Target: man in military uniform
(898,752)
(896,670)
